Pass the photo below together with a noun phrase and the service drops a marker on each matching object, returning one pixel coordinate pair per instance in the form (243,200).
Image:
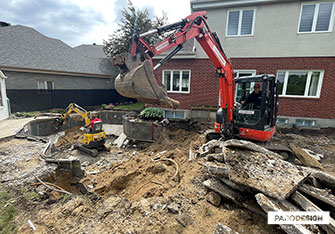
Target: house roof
(24,47)
(92,51)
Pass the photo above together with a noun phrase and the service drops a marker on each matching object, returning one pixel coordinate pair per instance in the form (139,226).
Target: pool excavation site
(161,177)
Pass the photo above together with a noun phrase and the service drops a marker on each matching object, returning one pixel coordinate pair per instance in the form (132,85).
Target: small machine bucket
(137,80)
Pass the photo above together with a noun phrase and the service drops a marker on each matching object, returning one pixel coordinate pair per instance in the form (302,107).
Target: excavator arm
(73,107)
(137,78)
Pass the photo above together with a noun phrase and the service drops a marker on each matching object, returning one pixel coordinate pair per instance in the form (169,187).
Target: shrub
(152,113)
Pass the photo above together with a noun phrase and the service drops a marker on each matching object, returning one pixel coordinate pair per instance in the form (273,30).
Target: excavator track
(284,151)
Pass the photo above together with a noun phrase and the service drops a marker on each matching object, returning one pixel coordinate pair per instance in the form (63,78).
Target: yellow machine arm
(73,107)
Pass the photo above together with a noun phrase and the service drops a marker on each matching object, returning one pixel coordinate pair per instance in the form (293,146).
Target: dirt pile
(73,135)
(158,190)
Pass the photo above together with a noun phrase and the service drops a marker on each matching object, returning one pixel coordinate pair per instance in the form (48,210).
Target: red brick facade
(204,83)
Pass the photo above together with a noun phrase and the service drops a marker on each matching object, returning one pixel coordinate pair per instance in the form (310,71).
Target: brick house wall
(204,89)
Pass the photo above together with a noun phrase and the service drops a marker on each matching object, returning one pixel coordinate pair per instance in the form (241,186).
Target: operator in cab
(255,97)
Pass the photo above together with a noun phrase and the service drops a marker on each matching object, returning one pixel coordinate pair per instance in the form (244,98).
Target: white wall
(275,34)
(4,108)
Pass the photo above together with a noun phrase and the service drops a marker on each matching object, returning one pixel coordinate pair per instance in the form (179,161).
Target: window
(177,80)
(238,88)
(240,22)
(305,122)
(300,83)
(170,114)
(282,121)
(45,85)
(317,17)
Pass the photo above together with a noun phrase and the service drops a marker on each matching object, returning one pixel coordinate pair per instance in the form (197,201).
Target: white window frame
(313,121)
(253,73)
(240,22)
(45,84)
(174,113)
(315,19)
(180,80)
(308,81)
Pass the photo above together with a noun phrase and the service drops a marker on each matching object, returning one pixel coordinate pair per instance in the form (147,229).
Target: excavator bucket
(137,80)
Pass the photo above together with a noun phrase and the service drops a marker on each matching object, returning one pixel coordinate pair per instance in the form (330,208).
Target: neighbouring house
(4,113)
(295,40)
(44,73)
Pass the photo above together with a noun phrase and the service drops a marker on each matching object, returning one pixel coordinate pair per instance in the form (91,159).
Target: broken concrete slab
(223,190)
(253,206)
(324,178)
(305,158)
(323,195)
(72,165)
(213,146)
(120,140)
(314,155)
(213,198)
(113,129)
(307,205)
(269,204)
(215,157)
(241,144)
(235,186)
(223,229)
(217,169)
(265,173)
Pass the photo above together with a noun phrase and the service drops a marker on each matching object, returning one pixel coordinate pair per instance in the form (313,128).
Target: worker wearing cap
(256,96)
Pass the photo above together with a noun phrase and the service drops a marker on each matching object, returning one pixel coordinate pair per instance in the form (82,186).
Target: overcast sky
(77,22)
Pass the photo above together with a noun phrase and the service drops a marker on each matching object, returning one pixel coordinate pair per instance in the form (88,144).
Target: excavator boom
(137,72)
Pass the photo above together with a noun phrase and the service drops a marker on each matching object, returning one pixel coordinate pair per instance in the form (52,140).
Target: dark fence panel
(36,100)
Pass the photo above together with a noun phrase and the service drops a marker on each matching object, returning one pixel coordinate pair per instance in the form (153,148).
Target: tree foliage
(133,21)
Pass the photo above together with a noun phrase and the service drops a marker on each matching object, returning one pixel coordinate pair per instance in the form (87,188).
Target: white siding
(4,107)
(275,34)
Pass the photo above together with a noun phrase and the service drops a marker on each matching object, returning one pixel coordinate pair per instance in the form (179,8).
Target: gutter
(201,5)
(55,72)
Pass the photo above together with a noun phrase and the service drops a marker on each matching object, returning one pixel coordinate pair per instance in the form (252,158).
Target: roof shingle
(24,47)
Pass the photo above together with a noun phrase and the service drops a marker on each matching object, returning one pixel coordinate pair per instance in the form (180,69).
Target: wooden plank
(307,205)
(320,194)
(264,173)
(270,204)
(304,157)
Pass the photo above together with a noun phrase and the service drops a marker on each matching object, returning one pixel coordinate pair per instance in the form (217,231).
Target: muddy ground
(143,188)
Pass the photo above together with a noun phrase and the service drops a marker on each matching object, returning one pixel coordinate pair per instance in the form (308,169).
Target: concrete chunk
(120,140)
(223,190)
(320,194)
(269,204)
(265,173)
(240,144)
(223,229)
(307,205)
(305,158)
(217,169)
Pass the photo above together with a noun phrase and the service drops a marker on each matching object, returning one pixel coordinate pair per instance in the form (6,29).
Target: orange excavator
(235,116)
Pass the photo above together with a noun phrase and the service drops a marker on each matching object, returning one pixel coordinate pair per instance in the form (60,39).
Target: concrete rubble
(261,181)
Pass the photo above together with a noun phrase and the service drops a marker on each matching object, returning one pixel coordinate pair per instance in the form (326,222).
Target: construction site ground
(141,188)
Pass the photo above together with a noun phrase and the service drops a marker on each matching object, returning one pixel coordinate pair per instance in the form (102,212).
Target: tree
(4,24)
(133,21)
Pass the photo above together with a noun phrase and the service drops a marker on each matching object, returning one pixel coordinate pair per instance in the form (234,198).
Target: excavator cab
(255,120)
